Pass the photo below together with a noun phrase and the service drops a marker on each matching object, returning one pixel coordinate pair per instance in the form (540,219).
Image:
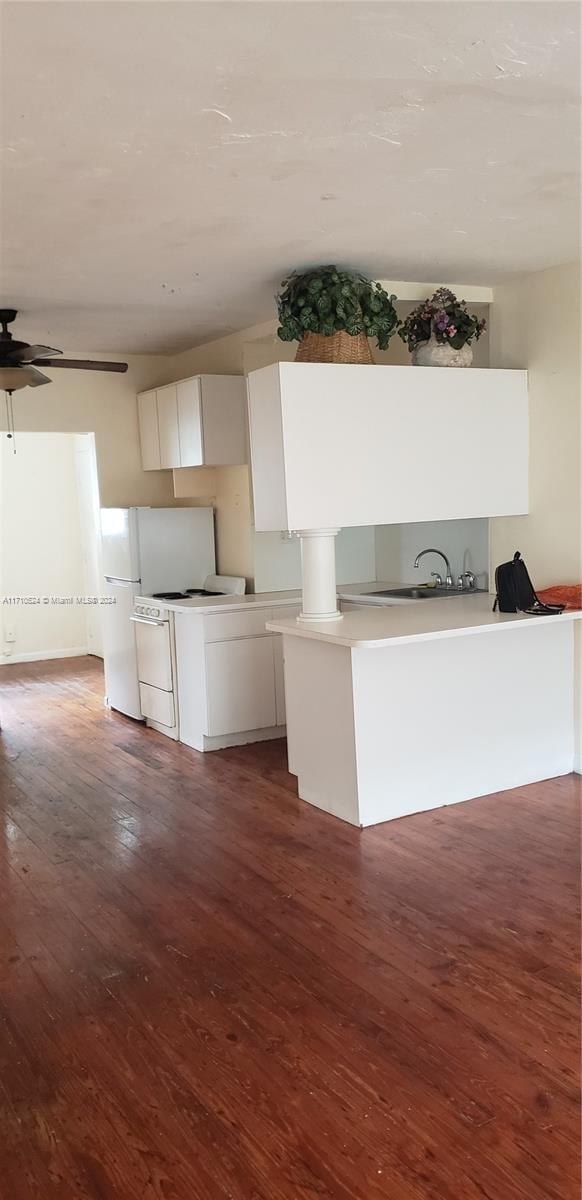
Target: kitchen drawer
(157,705)
(222,627)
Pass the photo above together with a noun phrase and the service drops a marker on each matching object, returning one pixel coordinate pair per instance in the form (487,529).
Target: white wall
(89,505)
(104,404)
(41,548)
(466,544)
(536,324)
(278,559)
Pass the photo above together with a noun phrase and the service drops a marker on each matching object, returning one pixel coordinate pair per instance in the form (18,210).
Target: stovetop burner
(184,595)
(170,596)
(202,592)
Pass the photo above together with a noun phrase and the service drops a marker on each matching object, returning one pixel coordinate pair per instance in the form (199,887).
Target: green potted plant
(332,313)
(439,332)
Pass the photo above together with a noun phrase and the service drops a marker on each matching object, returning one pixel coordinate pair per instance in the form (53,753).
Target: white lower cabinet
(230,677)
(240,685)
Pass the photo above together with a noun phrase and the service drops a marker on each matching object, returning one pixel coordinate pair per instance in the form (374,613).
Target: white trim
(420,291)
(41,655)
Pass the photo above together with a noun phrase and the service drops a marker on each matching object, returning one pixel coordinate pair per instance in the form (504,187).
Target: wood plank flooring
(210,991)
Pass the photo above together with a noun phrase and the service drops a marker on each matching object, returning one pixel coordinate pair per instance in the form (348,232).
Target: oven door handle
(147,621)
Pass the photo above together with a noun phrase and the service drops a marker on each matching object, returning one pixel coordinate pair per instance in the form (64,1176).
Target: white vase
(434,354)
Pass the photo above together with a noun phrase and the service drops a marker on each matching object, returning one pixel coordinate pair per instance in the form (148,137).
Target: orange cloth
(569,594)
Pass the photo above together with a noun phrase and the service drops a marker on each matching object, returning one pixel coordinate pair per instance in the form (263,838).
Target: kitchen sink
(424,593)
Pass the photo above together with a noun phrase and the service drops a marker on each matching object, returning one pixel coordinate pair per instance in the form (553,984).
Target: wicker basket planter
(332,313)
(339,347)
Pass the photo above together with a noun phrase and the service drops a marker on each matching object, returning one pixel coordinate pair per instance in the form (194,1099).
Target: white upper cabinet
(149,434)
(336,445)
(168,426)
(198,422)
(189,396)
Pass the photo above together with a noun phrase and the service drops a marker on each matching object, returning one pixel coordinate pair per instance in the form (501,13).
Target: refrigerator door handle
(120,579)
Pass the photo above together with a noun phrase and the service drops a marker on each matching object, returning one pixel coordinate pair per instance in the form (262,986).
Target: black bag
(515,591)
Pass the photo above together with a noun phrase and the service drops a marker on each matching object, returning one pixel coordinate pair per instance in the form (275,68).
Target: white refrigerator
(146,550)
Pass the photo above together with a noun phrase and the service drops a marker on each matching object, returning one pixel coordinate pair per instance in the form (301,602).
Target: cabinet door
(168,426)
(149,437)
(279,678)
(240,680)
(224,420)
(190,423)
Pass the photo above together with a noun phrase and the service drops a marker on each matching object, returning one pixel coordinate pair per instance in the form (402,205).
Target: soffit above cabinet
(345,445)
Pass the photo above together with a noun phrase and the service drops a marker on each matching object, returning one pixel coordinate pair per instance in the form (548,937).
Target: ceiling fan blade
(83,364)
(36,378)
(28,354)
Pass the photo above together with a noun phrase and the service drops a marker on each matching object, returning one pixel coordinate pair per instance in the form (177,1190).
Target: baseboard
(229,740)
(41,655)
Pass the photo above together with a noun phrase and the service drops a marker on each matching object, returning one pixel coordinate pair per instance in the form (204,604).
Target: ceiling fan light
(13,378)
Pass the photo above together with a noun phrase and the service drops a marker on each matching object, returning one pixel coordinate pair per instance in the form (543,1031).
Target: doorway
(49,547)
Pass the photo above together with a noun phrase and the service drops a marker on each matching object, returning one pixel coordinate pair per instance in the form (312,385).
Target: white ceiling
(164,164)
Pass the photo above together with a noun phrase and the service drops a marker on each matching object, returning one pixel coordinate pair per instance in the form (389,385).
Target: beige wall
(536,324)
(224,356)
(41,551)
(104,404)
(227,489)
(258,346)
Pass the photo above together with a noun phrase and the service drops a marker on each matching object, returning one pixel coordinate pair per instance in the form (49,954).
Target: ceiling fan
(18,360)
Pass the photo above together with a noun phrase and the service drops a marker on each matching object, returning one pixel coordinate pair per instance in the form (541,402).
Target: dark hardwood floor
(209,990)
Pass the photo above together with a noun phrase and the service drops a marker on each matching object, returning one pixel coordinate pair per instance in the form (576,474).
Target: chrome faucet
(449,576)
(467,581)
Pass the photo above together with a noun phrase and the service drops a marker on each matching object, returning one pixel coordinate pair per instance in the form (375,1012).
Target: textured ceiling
(163,164)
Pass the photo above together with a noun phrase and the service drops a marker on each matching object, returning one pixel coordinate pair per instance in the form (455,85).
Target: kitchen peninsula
(398,709)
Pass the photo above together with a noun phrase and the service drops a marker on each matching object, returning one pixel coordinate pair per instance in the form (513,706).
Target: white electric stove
(156,650)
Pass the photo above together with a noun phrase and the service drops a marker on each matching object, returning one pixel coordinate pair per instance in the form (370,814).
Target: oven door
(154,656)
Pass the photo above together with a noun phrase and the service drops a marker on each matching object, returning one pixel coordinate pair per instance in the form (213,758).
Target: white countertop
(415,621)
(217,604)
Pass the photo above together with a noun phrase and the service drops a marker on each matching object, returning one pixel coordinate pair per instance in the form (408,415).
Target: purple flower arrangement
(445,318)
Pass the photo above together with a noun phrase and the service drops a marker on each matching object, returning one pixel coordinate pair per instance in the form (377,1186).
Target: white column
(318,572)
